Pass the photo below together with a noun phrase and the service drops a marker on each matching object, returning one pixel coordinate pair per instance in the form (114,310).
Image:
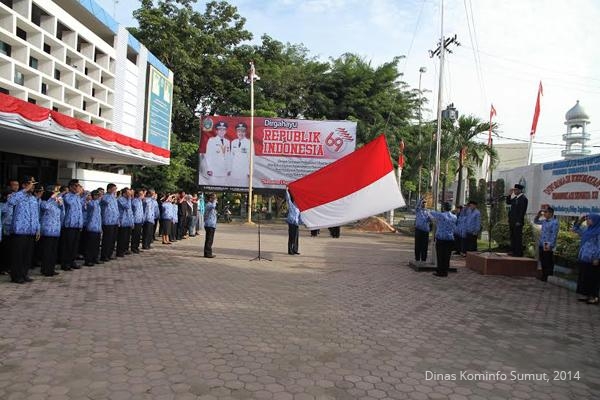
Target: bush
(567,248)
(501,235)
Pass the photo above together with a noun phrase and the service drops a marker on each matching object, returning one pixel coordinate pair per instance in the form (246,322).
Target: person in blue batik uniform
(125,222)
(460,232)
(444,237)
(166,219)
(472,226)
(588,281)
(50,229)
(422,228)
(149,218)
(110,221)
(25,229)
(72,225)
(93,230)
(137,207)
(547,242)
(210,224)
(293,221)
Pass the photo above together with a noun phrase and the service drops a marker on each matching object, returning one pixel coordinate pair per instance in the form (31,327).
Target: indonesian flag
(356,186)
(492,114)
(536,113)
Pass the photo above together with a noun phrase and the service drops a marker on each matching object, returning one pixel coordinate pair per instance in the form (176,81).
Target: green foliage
(501,235)
(567,247)
(481,204)
(498,210)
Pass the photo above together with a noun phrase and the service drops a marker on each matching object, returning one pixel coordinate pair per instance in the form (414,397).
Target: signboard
(571,187)
(160,102)
(285,150)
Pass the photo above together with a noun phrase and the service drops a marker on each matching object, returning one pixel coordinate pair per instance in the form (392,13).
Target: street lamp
(250,78)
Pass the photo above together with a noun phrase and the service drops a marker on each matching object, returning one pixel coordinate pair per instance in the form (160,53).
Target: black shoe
(296,253)
(98,262)
(89,264)
(66,268)
(120,255)
(127,253)
(440,275)
(75,266)
(19,281)
(209,256)
(28,279)
(52,273)
(103,260)
(145,248)
(136,251)
(291,253)
(583,300)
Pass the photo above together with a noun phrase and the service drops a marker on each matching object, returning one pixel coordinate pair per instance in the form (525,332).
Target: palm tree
(469,151)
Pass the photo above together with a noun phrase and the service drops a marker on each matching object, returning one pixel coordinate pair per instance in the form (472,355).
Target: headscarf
(591,231)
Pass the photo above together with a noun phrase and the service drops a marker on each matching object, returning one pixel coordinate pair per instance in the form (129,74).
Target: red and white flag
(356,186)
(536,113)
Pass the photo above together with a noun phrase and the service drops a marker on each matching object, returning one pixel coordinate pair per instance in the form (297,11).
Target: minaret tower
(576,137)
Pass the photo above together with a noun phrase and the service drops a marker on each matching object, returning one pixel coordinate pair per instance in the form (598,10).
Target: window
(32,101)
(33,62)
(7,3)
(100,111)
(85,70)
(57,74)
(21,33)
(93,92)
(47,48)
(44,88)
(55,109)
(5,48)
(19,78)
(84,105)
(4,91)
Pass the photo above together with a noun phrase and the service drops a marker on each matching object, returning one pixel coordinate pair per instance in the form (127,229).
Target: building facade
(77,91)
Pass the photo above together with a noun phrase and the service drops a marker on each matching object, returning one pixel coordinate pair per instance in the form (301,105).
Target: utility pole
(421,71)
(440,51)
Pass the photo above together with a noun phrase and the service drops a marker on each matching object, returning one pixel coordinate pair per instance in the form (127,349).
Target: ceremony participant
(92,230)
(547,241)
(72,225)
(183,212)
(314,232)
(293,221)
(149,218)
(25,229)
(240,157)
(125,222)
(422,228)
(175,220)
(200,211)
(5,251)
(210,224)
(334,231)
(166,219)
(588,281)
(217,158)
(110,222)
(193,218)
(460,230)
(444,238)
(137,206)
(472,226)
(516,219)
(50,228)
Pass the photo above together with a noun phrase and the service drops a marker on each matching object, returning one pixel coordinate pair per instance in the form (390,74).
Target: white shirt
(217,157)
(240,158)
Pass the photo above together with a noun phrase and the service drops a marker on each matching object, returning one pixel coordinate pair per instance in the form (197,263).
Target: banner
(571,187)
(284,150)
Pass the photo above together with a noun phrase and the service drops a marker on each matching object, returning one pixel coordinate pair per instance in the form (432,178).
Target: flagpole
(491,190)
(530,150)
(438,135)
(251,77)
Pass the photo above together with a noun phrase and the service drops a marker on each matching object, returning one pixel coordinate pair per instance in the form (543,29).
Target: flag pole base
(424,266)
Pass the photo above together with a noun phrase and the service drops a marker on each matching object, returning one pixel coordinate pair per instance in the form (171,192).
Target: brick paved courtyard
(347,319)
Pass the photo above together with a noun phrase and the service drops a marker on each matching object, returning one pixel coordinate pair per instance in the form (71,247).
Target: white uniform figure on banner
(218,156)
(240,157)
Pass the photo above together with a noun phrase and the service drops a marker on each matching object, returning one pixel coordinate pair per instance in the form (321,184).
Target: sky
(506,48)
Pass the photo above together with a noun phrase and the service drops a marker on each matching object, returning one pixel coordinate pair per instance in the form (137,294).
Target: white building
(77,90)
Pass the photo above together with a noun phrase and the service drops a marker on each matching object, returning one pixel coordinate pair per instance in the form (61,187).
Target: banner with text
(571,186)
(284,150)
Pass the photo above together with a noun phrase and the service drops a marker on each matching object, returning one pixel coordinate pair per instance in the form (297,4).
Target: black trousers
(208,241)
(181,227)
(292,238)
(173,231)
(5,253)
(421,245)
(516,239)
(92,247)
(147,235)
(547,262)
(109,236)
(49,254)
(123,240)
(136,236)
(21,255)
(443,250)
(334,231)
(70,246)
(470,243)
(588,281)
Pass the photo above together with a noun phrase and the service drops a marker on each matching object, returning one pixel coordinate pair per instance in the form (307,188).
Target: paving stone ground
(347,319)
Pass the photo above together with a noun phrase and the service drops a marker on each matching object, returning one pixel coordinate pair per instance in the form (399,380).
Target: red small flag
(492,114)
(401,155)
(536,113)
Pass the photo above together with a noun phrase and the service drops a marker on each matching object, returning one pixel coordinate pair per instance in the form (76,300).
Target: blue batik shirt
(293,216)
(445,224)
(174,213)
(590,249)
(149,210)
(93,221)
(422,219)
(138,210)
(50,218)
(26,213)
(473,221)
(549,232)
(7,213)
(73,204)
(156,209)
(210,214)
(460,228)
(125,212)
(110,210)
(167,211)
